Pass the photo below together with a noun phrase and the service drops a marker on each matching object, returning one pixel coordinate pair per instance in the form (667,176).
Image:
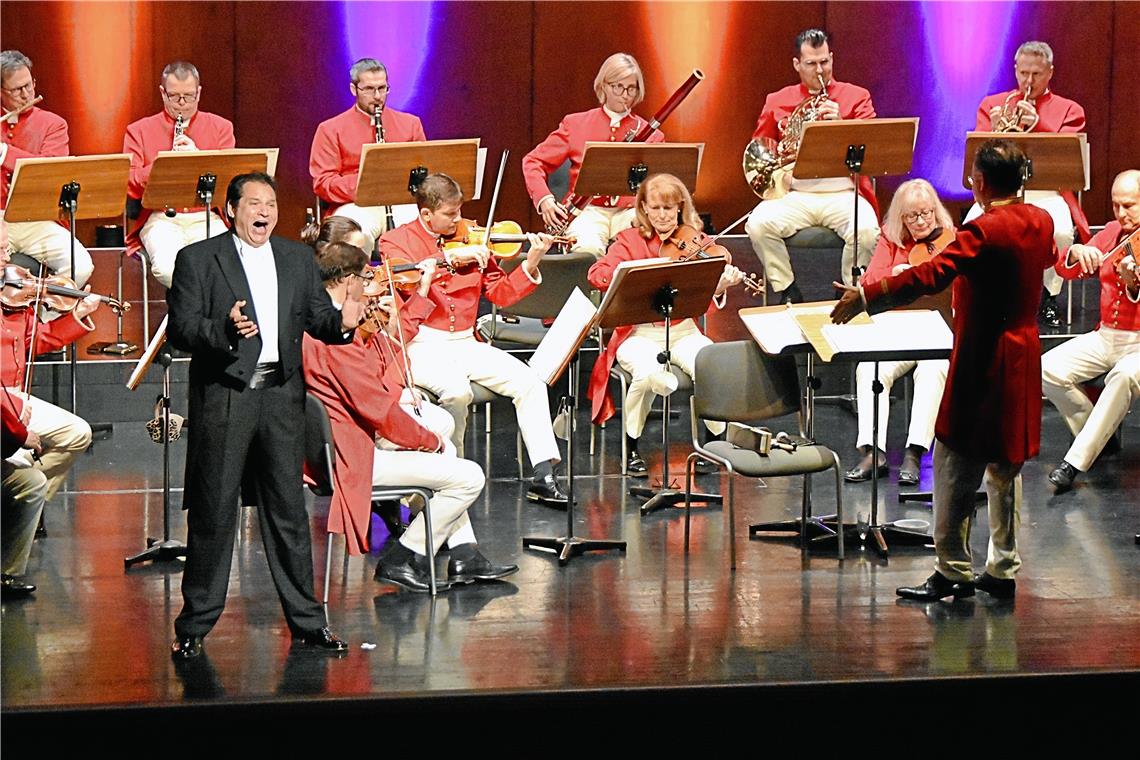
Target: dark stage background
(507,71)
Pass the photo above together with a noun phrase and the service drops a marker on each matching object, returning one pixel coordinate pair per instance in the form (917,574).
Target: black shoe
(186,648)
(635,466)
(791,294)
(862,471)
(999,588)
(704,467)
(14,588)
(478,568)
(322,639)
(1049,315)
(911,468)
(1063,476)
(411,574)
(936,587)
(546,491)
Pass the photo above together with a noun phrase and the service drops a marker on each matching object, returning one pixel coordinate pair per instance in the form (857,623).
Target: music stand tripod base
(157,551)
(571,546)
(670,497)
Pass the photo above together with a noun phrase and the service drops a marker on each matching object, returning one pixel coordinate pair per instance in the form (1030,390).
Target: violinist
(663,205)
(619,87)
(378,443)
(445,356)
(915,218)
(62,435)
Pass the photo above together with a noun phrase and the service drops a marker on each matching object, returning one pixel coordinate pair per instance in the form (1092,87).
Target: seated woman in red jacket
(663,204)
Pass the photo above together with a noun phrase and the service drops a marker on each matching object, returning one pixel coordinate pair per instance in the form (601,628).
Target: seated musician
(1114,347)
(1033,107)
(812,202)
(379,444)
(445,356)
(23,490)
(334,160)
(619,86)
(63,436)
(663,204)
(915,217)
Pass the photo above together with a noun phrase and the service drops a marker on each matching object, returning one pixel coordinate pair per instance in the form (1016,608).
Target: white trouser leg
(865,402)
(596,226)
(163,237)
(373,220)
(24,491)
(456,483)
(50,244)
(64,437)
(769,224)
(435,418)
(929,383)
(834,210)
(435,368)
(1121,388)
(637,355)
(1074,361)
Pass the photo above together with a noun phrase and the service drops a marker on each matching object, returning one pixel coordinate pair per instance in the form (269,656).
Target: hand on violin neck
(88,305)
(540,244)
(729,277)
(468,255)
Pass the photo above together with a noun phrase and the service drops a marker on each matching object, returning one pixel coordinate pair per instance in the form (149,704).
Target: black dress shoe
(791,294)
(322,639)
(478,568)
(186,648)
(936,587)
(999,588)
(546,491)
(1049,315)
(1062,476)
(635,466)
(704,467)
(411,574)
(14,588)
(862,471)
(910,469)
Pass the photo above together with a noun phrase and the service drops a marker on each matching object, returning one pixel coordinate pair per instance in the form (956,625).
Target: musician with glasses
(619,87)
(32,132)
(179,126)
(1033,107)
(916,218)
(334,161)
(812,202)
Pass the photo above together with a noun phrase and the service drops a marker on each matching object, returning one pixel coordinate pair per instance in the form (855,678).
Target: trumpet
(1009,119)
(17,111)
(765,171)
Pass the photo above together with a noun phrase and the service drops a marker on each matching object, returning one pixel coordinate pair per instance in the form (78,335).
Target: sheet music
(148,357)
(480,164)
(777,328)
(891,331)
(571,325)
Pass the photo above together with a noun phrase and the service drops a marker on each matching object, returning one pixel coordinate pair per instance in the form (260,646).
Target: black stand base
(927,497)
(157,551)
(571,546)
(670,497)
(822,533)
(118,348)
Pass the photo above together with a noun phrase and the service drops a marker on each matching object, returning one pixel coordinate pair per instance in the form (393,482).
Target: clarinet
(378,127)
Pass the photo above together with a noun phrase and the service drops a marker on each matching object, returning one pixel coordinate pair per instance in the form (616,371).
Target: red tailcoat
(569,142)
(456,296)
(991,409)
(854,103)
(334,161)
(15,432)
(1057,115)
(36,134)
(17,332)
(1117,310)
(362,403)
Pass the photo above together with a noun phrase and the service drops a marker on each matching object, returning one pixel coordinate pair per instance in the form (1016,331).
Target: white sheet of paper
(563,337)
(891,331)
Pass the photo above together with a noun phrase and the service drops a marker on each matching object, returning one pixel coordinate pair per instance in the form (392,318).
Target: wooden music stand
(651,291)
(1057,161)
(617,169)
(182,180)
(390,172)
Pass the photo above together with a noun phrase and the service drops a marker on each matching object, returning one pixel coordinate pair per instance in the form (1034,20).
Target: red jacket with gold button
(1117,310)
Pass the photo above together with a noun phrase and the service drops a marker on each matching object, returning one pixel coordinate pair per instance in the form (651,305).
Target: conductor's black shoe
(411,574)
(635,466)
(478,568)
(936,587)
(791,294)
(14,588)
(1062,476)
(186,648)
(999,588)
(1049,314)
(546,491)
(322,639)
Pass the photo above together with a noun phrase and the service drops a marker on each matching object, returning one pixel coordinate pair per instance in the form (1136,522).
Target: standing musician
(663,206)
(32,132)
(812,202)
(62,435)
(989,422)
(334,161)
(445,356)
(1033,107)
(378,443)
(1114,347)
(916,218)
(619,86)
(179,126)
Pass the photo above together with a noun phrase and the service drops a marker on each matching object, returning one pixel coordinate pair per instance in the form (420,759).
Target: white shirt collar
(615,118)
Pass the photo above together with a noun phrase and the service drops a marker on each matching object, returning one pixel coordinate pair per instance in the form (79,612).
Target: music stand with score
(391,172)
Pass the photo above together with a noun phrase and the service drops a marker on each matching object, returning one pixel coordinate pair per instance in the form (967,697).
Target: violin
(504,241)
(687,244)
(21,289)
(924,251)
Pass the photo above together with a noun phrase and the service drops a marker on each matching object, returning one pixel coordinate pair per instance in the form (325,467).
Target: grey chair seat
(820,238)
(804,459)
(528,332)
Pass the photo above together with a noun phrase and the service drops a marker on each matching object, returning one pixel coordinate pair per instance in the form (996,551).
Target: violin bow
(409,379)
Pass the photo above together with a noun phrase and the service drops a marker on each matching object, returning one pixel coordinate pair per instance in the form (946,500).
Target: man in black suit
(239,302)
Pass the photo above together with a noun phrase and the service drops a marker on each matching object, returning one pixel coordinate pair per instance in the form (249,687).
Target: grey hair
(365,65)
(180,70)
(911,190)
(1035,47)
(10,60)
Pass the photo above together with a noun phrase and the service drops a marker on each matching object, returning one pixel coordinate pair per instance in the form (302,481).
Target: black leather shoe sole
(998,588)
(489,574)
(636,468)
(547,499)
(933,590)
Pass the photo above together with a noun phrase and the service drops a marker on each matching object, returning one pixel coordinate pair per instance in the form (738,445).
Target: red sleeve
(931,277)
(225,136)
(766,126)
(325,168)
(883,260)
(1074,120)
(541,162)
(504,289)
(601,274)
(413,311)
(864,108)
(15,433)
(56,334)
(982,118)
(1104,241)
(133,144)
(418,131)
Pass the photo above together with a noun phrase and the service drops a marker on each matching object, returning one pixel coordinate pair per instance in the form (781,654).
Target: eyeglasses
(619,89)
(370,91)
(179,98)
(367,276)
(914,216)
(29,87)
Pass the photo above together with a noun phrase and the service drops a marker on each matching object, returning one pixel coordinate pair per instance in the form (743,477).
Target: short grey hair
(10,60)
(180,70)
(365,65)
(1035,47)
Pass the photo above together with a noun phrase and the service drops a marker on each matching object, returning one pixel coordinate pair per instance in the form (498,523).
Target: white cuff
(538,206)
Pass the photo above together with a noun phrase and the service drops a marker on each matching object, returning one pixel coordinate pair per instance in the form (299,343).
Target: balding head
(1126,199)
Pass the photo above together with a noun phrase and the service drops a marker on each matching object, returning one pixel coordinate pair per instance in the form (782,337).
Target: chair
(320,461)
(561,274)
(624,378)
(739,383)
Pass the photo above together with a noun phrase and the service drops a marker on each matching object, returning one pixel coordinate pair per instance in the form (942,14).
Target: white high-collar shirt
(261,273)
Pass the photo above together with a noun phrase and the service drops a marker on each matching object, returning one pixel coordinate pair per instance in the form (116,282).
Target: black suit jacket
(209,278)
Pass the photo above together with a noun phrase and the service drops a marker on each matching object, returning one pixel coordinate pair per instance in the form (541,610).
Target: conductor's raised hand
(849,306)
(244,326)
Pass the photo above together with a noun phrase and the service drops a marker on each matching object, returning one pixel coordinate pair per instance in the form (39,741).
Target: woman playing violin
(663,205)
(916,227)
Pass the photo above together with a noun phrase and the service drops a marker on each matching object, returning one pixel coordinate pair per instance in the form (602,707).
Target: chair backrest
(27,262)
(561,273)
(318,446)
(737,381)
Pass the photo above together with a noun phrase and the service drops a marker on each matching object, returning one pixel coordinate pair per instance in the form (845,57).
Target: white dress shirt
(261,273)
